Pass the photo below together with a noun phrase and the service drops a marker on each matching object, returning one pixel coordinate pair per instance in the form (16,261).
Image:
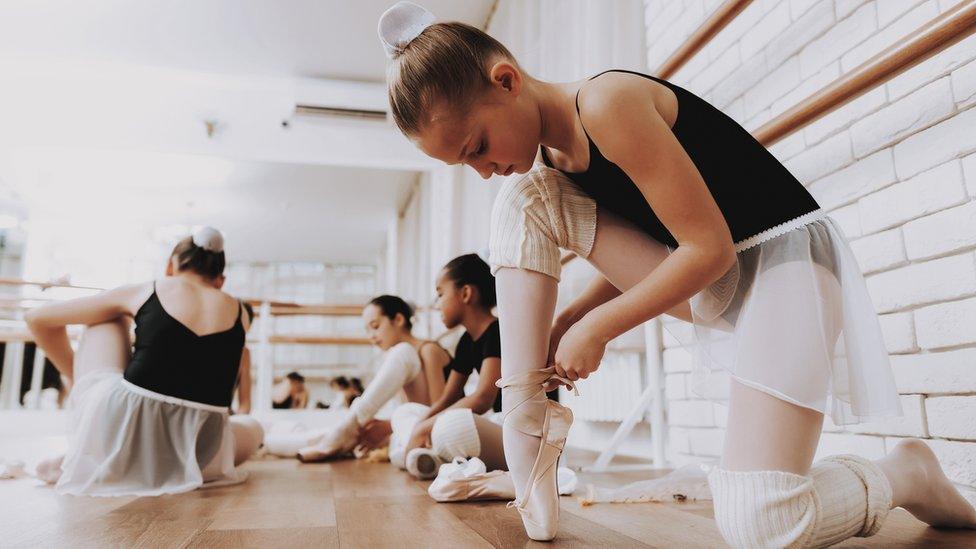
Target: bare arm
(453,392)
(49,323)
(483,397)
(630,132)
(434,358)
(301,401)
(244,385)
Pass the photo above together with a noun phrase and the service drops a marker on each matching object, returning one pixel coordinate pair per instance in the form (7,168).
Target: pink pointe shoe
(340,441)
(537,416)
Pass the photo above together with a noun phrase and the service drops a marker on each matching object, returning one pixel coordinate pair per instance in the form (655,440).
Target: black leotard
(172,360)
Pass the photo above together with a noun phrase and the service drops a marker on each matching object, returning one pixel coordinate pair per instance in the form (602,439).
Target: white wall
(895,168)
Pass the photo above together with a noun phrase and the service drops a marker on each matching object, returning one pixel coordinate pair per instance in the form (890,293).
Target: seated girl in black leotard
(152,419)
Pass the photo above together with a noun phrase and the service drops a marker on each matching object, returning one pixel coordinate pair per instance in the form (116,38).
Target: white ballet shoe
(49,470)
(423,463)
(339,441)
(535,415)
(15,469)
(469,480)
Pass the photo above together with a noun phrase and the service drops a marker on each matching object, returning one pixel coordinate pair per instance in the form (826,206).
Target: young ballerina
(682,212)
(291,393)
(414,365)
(453,425)
(153,420)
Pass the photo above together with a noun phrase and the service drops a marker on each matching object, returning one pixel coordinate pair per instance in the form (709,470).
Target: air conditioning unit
(316,110)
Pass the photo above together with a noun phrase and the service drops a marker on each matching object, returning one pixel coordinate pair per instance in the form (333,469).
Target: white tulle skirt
(129,441)
(793,318)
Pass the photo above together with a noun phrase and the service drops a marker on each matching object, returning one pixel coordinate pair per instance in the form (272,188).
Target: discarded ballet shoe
(15,469)
(535,415)
(468,480)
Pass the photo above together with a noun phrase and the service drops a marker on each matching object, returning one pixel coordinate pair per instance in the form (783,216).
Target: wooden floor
(358,504)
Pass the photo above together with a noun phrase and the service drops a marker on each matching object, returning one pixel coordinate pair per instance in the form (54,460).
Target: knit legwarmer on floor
(842,497)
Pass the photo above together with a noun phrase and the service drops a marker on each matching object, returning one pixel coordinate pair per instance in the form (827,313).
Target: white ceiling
(278,194)
(312,38)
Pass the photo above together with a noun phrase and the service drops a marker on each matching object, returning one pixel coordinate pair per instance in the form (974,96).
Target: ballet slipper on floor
(337,442)
(15,469)
(468,480)
(536,416)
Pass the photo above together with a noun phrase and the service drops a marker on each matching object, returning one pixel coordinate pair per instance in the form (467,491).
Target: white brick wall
(896,168)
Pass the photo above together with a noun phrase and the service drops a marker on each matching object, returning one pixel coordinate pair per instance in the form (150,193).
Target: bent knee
(536,214)
(248,436)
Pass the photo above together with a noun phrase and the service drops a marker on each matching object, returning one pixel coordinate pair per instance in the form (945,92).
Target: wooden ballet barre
(321,310)
(24,336)
(16,336)
(314,340)
(295,309)
(702,36)
(43,285)
(19,302)
(933,37)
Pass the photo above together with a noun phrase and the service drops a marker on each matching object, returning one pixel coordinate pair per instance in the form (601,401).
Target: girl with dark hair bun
(410,364)
(153,419)
(453,425)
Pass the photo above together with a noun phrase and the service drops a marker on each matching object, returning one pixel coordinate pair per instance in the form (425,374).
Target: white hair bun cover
(209,239)
(400,24)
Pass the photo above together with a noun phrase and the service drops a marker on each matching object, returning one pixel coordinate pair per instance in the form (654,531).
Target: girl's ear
(467,293)
(506,76)
(170,269)
(399,320)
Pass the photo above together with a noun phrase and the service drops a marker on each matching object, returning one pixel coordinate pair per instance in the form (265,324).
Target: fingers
(572,373)
(568,373)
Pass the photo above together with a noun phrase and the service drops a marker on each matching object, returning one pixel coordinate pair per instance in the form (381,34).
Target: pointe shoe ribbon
(535,415)
(525,389)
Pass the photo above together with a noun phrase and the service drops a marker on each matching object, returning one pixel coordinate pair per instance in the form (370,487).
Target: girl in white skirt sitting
(683,212)
(153,420)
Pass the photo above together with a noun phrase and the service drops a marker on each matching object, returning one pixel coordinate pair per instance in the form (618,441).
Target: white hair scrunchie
(209,239)
(400,24)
